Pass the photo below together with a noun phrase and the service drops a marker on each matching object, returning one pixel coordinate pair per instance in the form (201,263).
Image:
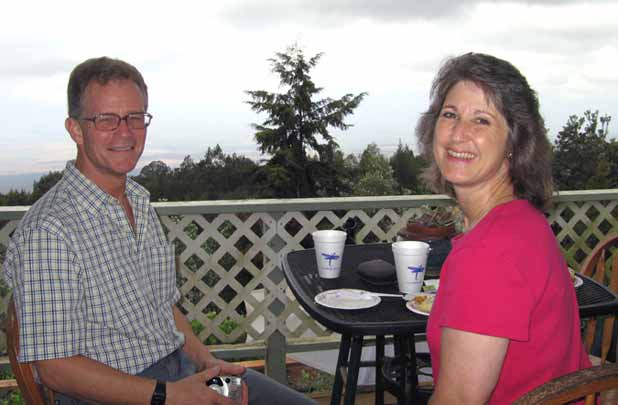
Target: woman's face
(470,140)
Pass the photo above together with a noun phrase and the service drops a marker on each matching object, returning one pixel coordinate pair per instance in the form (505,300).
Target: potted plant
(436,226)
(434,223)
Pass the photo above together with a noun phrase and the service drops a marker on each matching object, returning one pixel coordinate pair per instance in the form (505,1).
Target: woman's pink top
(507,278)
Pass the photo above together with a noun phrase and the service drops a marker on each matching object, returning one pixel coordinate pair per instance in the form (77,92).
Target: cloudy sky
(198,58)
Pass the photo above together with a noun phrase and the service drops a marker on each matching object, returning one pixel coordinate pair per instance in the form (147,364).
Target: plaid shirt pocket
(162,272)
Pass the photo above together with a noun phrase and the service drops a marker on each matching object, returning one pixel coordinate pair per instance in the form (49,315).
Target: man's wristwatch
(158,396)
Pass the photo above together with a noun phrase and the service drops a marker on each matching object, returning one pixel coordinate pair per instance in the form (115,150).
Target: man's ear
(75,130)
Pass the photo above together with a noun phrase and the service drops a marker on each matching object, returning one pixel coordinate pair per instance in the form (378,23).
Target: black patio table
(390,317)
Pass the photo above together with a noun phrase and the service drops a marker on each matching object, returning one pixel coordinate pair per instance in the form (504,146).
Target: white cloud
(326,13)
(601,67)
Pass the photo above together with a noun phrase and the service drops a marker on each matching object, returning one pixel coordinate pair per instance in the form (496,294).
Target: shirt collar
(91,198)
(136,192)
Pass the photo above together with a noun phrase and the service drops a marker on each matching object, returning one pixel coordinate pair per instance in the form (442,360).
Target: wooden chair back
(583,383)
(32,392)
(602,266)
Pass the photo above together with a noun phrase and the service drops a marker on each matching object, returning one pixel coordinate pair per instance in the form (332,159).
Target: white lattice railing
(229,254)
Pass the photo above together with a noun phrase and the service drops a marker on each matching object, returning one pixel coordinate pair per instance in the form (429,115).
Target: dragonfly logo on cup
(416,271)
(330,258)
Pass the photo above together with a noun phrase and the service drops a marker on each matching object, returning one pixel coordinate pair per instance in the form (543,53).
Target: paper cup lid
(329,235)
(410,245)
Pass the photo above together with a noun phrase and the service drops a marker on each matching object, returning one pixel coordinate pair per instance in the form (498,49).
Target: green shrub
(227,327)
(12,398)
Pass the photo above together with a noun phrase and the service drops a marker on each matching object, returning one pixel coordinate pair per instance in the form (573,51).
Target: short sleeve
(487,294)
(46,289)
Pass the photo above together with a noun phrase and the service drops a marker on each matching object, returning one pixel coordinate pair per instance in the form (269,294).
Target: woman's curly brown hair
(508,89)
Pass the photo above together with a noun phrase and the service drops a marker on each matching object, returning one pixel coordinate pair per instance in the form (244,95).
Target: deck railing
(229,268)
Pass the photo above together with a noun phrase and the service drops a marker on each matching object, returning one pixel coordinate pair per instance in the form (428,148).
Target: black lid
(378,270)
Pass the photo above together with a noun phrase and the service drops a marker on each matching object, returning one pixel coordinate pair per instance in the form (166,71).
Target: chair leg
(379,389)
(342,361)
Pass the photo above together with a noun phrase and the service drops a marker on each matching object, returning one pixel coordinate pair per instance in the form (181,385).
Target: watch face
(158,396)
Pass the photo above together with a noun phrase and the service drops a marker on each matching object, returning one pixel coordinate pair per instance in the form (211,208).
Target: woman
(505,319)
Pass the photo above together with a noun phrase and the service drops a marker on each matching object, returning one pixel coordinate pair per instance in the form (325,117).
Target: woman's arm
(470,365)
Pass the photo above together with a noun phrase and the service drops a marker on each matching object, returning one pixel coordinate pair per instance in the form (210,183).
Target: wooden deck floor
(364,398)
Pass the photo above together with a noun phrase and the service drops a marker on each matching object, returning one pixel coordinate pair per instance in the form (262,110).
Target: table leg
(342,361)
(411,383)
(353,367)
(401,352)
(379,389)
(405,351)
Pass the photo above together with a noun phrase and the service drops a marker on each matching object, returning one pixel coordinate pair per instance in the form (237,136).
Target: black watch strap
(158,396)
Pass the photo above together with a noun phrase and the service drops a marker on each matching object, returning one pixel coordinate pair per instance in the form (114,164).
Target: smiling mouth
(460,155)
(121,148)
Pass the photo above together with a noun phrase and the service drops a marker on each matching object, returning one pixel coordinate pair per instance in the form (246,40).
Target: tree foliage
(39,187)
(407,170)
(229,176)
(42,185)
(297,130)
(583,157)
(155,176)
(216,176)
(16,197)
(612,159)
(376,175)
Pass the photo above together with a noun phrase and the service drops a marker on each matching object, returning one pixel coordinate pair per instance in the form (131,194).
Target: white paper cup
(411,263)
(329,252)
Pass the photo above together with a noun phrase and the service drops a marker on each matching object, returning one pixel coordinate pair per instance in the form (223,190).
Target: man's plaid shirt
(85,284)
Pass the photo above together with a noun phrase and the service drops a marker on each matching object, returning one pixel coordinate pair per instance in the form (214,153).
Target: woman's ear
(75,130)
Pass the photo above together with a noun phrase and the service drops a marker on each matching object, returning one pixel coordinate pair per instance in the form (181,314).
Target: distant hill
(18,182)
(24,181)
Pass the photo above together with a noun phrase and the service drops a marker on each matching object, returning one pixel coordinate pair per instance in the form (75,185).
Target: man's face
(107,156)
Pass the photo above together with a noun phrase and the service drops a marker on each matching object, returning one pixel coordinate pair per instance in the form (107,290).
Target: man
(93,274)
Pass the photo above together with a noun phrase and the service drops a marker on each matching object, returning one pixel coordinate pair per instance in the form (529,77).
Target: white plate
(412,307)
(347,298)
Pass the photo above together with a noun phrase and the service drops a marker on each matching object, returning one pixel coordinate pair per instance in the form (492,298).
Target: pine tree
(581,151)
(296,132)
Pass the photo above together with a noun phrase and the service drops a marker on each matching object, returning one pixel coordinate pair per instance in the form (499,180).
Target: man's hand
(226,368)
(193,390)
(205,361)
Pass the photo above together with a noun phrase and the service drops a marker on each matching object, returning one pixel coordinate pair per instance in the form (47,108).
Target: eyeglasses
(111,121)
